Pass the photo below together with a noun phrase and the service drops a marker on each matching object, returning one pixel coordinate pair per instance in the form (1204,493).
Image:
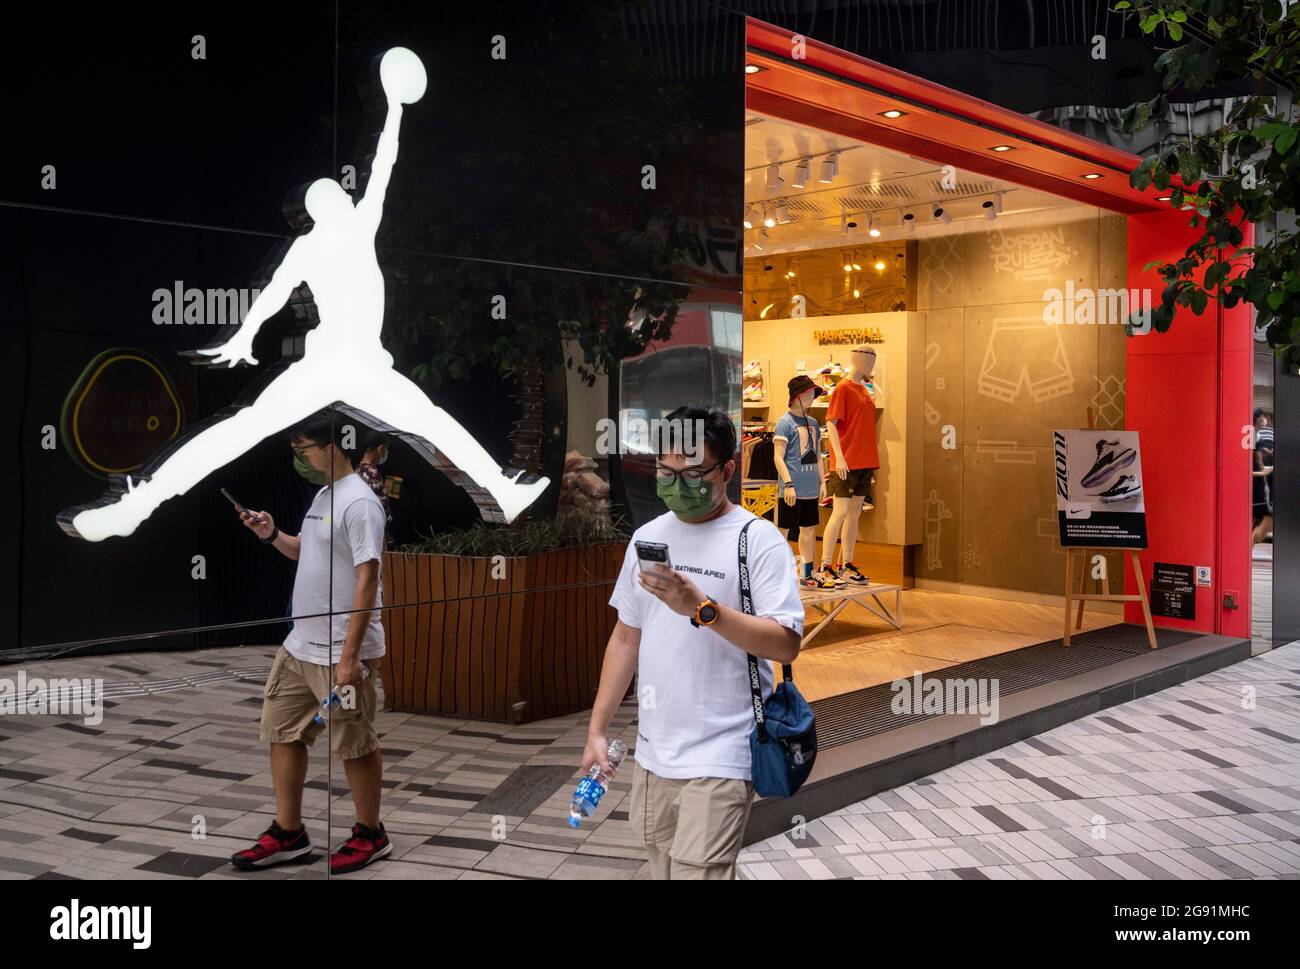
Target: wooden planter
(525,646)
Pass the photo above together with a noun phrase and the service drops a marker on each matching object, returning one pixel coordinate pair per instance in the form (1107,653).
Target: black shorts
(804,514)
(856,484)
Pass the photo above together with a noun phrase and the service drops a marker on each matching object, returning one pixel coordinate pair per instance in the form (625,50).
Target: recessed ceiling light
(892,113)
(1092,175)
(880,266)
(753,68)
(1003,148)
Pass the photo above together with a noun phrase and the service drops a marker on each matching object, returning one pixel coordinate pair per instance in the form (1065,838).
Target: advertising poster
(1099,494)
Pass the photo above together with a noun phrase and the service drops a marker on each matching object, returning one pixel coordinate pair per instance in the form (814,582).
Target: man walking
(336,592)
(682,631)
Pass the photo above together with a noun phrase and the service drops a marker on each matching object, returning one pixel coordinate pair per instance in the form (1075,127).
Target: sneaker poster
(1099,500)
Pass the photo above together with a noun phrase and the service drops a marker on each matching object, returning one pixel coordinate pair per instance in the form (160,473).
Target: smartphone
(652,553)
(257,519)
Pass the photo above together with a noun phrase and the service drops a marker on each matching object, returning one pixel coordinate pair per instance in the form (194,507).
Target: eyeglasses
(666,475)
(301,449)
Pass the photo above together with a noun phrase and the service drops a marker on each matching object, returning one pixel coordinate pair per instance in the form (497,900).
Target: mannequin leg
(808,544)
(834,526)
(849,530)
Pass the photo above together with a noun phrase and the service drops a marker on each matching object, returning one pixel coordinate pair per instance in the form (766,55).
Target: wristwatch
(706,613)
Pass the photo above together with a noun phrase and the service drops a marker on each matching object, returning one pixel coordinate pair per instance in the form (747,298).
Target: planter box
(528,645)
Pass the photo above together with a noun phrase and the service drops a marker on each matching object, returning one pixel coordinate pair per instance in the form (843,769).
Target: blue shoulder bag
(783,743)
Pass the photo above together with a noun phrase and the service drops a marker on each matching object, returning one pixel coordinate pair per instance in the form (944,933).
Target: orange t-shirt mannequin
(854,410)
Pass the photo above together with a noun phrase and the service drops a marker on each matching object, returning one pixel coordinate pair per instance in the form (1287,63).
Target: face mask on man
(304,468)
(686,499)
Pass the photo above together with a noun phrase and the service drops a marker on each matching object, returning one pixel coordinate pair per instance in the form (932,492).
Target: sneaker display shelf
(829,603)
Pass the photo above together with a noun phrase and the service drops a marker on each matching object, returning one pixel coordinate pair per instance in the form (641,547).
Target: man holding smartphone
(681,630)
(336,595)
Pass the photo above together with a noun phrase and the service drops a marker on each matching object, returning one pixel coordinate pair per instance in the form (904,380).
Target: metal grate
(864,713)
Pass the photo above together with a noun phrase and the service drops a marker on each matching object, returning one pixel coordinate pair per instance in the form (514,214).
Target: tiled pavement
(1187,783)
(462,799)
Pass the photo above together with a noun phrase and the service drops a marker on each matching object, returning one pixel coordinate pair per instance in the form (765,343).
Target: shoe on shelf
(826,578)
(274,847)
(811,582)
(854,574)
(366,845)
(834,571)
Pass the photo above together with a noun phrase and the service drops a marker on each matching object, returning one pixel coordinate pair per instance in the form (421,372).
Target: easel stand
(1081,597)
(1100,596)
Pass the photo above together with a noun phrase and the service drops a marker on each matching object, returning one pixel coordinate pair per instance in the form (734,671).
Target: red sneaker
(274,847)
(365,845)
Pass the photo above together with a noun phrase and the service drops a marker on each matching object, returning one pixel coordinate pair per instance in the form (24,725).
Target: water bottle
(333,701)
(592,787)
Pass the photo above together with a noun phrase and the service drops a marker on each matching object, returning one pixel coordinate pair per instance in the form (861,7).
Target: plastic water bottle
(333,701)
(593,787)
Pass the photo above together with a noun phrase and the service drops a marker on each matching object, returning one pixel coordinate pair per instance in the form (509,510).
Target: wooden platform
(829,603)
(938,629)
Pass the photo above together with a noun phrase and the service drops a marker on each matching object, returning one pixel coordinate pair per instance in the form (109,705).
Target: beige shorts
(691,828)
(294,694)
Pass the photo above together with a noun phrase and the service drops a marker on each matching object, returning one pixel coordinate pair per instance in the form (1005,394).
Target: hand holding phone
(256,518)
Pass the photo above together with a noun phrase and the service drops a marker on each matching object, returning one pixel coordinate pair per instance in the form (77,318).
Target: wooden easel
(1081,597)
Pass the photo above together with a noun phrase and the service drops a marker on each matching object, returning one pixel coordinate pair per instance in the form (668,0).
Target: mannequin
(851,430)
(796,451)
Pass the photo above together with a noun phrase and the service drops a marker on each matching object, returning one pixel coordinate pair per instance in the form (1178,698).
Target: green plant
(1218,42)
(570,528)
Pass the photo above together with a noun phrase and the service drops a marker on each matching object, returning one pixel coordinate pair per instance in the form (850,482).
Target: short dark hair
(719,432)
(328,426)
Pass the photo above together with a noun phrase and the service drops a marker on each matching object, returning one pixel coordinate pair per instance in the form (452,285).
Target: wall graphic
(999,378)
(344,360)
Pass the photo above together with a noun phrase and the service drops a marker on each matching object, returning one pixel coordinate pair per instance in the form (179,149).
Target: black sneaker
(274,847)
(1108,462)
(854,573)
(1123,489)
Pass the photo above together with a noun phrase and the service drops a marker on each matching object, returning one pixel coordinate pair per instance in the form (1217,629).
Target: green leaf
(1276,299)
(1175,32)
(1285,140)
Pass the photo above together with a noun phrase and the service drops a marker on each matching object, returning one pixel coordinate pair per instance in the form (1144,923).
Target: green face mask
(687,499)
(307,471)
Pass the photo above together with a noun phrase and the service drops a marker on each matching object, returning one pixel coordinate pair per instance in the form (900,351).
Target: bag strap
(747,606)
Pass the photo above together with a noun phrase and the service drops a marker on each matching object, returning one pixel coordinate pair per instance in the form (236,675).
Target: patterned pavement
(1201,781)
(1186,784)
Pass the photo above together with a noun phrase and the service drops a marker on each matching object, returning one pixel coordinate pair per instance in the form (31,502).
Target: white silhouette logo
(343,363)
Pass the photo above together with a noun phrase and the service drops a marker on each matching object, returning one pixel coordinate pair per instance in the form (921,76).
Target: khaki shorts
(294,694)
(691,828)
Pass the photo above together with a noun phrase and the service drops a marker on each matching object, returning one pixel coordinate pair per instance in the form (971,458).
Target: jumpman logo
(343,363)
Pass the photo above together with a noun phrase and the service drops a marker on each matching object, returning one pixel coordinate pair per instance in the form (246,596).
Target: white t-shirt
(345,525)
(695,707)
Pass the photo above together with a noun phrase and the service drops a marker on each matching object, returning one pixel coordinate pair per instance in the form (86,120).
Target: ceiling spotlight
(789,274)
(857,294)
(857,267)
(942,217)
(800,174)
(753,68)
(908,219)
(893,113)
(769,219)
(1092,175)
(992,207)
(774,179)
(782,214)
(749,217)
(873,230)
(1002,148)
(1164,198)
(830,168)
(880,266)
